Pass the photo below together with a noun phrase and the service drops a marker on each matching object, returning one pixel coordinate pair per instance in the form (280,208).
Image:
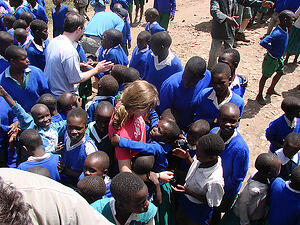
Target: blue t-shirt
(3,65)
(90,107)
(276,43)
(99,6)
(126,33)
(174,95)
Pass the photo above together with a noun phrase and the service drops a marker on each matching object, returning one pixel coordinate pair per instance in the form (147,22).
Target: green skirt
(294,41)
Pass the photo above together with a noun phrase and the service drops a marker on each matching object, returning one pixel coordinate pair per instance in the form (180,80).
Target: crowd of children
(159,143)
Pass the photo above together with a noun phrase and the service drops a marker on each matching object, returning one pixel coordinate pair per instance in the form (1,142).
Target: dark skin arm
(180,153)
(157,196)
(185,190)
(64,170)
(6,97)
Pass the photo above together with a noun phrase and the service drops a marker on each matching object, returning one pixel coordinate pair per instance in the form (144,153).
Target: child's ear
(25,148)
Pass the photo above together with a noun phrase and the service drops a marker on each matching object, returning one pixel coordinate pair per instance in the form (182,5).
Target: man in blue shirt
(99,23)
(276,44)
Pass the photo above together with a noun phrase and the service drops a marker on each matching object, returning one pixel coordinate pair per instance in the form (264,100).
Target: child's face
(290,150)
(138,202)
(156,49)
(189,80)
(228,121)
(21,62)
(220,83)
(102,119)
(149,18)
(288,21)
(43,34)
(106,42)
(93,166)
(42,117)
(76,128)
(160,132)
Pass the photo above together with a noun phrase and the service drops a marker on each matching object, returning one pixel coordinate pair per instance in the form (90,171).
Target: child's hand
(61,166)
(153,178)
(103,66)
(245,81)
(115,140)
(59,148)
(14,127)
(268,4)
(179,188)
(85,67)
(13,139)
(180,153)
(166,176)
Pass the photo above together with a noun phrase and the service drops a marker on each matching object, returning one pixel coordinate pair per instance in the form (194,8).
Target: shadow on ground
(204,26)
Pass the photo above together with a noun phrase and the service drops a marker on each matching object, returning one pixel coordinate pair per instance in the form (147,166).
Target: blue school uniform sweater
(7,117)
(174,95)
(281,5)
(42,3)
(90,107)
(139,59)
(116,55)
(164,6)
(103,207)
(35,85)
(276,43)
(57,118)
(49,163)
(59,17)
(158,149)
(39,12)
(126,33)
(205,108)
(284,204)
(3,64)
(5,11)
(155,28)
(20,10)
(74,159)
(235,161)
(50,136)
(36,57)
(124,4)
(99,6)
(278,130)
(157,77)
(237,88)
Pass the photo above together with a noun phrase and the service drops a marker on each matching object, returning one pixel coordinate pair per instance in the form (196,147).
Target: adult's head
(74,25)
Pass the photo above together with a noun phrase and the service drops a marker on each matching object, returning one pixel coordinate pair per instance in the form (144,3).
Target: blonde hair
(138,95)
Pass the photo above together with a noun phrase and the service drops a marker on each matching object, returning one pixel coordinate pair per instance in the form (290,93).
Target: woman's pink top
(134,129)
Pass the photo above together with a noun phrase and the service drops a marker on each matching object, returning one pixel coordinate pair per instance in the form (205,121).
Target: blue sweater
(126,33)
(238,89)
(59,17)
(19,10)
(57,118)
(154,29)
(124,4)
(284,204)
(157,77)
(116,55)
(42,3)
(278,130)
(91,106)
(281,5)
(164,6)
(235,161)
(139,59)
(174,95)
(29,92)
(39,12)
(205,108)
(3,65)
(158,149)
(49,163)
(99,6)
(36,57)
(276,42)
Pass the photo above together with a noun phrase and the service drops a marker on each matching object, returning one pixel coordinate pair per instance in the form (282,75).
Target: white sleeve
(214,194)
(90,148)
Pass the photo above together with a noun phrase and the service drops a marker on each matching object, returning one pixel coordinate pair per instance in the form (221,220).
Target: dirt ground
(190,32)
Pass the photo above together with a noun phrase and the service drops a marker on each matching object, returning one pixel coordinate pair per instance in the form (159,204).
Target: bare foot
(272,92)
(261,100)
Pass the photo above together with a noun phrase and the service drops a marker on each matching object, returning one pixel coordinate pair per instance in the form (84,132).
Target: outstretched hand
(180,153)
(103,66)
(179,188)
(166,176)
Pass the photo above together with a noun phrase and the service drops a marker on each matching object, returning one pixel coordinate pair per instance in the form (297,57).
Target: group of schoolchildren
(159,143)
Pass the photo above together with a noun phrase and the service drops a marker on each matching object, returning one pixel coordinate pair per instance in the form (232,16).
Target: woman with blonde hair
(128,122)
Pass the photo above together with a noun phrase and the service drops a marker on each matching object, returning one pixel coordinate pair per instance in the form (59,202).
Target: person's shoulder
(35,70)
(236,99)
(100,204)
(278,184)
(241,142)
(279,121)
(174,79)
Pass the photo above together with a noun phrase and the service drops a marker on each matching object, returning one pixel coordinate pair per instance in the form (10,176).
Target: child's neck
(225,136)
(100,134)
(39,41)
(38,152)
(260,177)
(282,27)
(75,142)
(17,74)
(223,96)
(54,112)
(121,214)
(163,55)
(208,164)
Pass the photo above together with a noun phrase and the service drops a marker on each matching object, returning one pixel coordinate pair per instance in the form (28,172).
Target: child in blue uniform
(203,188)
(20,36)
(140,52)
(238,82)
(210,100)
(24,83)
(40,120)
(285,200)
(77,146)
(59,12)
(251,203)
(162,63)
(276,44)
(99,5)
(37,10)
(166,11)
(285,124)
(111,49)
(6,40)
(289,155)
(19,6)
(66,102)
(129,201)
(107,88)
(124,4)
(152,26)
(178,92)
(31,145)
(235,158)
(8,21)
(36,49)
(126,43)
(51,103)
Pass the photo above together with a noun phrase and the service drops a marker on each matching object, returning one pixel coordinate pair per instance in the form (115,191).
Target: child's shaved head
(118,72)
(197,130)
(20,24)
(268,164)
(30,139)
(66,101)
(130,75)
(49,101)
(96,163)
(291,145)
(295,178)
(108,86)
(161,40)
(142,164)
(28,17)
(291,106)
(221,68)
(230,108)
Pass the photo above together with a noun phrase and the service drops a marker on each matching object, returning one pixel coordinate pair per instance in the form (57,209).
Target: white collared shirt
(41,48)
(284,160)
(235,82)
(8,75)
(214,98)
(291,124)
(206,181)
(35,159)
(33,8)
(143,50)
(166,62)
(94,132)
(2,58)
(89,148)
(217,131)
(287,183)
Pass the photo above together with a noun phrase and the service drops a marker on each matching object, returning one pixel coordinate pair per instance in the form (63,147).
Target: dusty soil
(190,32)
